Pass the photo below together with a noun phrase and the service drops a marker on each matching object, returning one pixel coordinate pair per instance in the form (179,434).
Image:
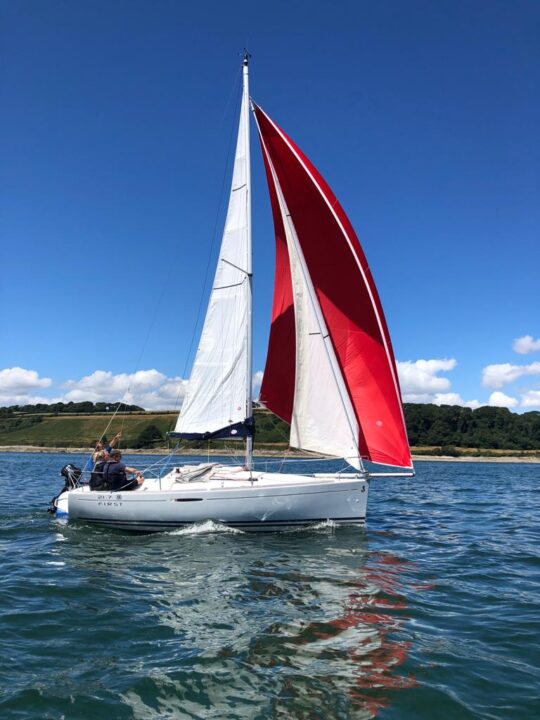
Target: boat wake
(208,526)
(322,525)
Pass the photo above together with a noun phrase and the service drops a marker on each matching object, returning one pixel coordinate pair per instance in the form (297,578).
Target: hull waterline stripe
(148,495)
(235,523)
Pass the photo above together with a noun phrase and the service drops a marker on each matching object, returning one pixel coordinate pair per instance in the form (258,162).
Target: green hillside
(443,430)
(78,430)
(138,430)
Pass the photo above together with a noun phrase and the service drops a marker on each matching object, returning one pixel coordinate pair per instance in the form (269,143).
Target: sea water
(432,611)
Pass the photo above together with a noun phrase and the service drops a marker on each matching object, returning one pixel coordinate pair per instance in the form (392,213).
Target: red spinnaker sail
(348,300)
(277,389)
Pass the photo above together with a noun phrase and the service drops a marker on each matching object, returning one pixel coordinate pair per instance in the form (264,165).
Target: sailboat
(330,370)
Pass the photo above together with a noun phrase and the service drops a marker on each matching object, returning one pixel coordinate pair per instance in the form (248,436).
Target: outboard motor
(71,474)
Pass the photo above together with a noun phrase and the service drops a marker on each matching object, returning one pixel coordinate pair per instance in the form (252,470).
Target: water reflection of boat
(345,664)
(249,626)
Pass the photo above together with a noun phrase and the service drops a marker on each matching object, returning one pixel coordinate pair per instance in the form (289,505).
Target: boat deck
(212,476)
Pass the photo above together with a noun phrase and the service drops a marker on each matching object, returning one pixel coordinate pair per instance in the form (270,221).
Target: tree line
(60,408)
(485,427)
(445,426)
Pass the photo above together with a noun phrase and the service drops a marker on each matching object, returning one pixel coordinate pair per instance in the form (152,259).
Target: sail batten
(347,297)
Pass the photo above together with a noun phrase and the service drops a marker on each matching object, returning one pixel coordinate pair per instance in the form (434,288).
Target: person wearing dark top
(115,474)
(96,478)
(100,447)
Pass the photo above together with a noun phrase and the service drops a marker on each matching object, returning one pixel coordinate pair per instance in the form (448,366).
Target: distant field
(84,430)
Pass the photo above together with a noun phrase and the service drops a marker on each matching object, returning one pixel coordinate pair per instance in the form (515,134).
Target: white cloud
(449,398)
(420,383)
(495,376)
(256,383)
(499,399)
(526,344)
(530,399)
(150,389)
(455,399)
(18,379)
(24,399)
(18,387)
(420,377)
(416,397)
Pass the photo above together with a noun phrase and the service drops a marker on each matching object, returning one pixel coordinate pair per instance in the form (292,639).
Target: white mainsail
(218,395)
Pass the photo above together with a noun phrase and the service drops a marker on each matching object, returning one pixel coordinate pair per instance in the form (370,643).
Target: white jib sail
(218,392)
(323,418)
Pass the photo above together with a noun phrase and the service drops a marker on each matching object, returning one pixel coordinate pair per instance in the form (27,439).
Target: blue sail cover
(238,431)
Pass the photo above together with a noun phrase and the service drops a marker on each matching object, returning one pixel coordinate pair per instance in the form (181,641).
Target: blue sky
(116,128)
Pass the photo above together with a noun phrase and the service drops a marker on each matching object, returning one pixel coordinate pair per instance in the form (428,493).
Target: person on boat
(96,478)
(106,446)
(115,473)
(101,446)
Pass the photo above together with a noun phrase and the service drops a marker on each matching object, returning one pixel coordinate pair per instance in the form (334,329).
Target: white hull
(269,501)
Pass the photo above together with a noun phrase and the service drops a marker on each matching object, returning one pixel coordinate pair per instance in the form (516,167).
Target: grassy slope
(84,430)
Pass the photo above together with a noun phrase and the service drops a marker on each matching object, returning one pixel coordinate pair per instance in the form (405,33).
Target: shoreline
(268,453)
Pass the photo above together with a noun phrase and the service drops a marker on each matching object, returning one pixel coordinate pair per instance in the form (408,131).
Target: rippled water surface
(431,612)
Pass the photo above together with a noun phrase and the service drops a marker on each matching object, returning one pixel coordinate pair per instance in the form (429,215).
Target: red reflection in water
(376,611)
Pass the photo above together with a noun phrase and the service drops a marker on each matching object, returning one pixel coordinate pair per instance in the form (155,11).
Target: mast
(249,267)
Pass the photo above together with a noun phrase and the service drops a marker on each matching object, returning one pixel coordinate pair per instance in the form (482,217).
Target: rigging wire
(236,87)
(234,90)
(164,285)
